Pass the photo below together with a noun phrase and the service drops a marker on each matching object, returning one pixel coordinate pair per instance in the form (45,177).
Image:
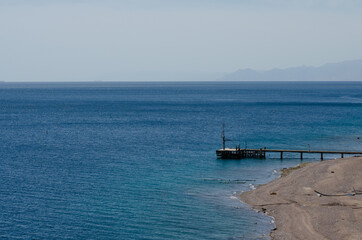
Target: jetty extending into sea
(239,153)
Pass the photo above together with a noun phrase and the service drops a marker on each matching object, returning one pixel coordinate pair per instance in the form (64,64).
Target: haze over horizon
(171,40)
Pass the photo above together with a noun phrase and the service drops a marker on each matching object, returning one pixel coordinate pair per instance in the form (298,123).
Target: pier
(239,153)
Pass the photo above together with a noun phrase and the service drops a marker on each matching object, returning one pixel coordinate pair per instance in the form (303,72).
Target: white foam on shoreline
(252,187)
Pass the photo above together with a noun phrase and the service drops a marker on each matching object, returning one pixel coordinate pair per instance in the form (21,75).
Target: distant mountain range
(342,71)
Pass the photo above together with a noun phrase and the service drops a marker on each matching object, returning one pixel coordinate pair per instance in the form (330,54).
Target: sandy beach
(321,200)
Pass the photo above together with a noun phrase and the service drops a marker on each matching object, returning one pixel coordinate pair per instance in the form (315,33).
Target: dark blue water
(137,160)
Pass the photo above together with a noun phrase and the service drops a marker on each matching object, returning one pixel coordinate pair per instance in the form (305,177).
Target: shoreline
(318,200)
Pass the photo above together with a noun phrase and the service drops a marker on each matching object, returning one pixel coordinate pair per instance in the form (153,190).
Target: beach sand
(301,213)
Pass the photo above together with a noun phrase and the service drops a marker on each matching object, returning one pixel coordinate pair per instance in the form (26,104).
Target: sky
(148,40)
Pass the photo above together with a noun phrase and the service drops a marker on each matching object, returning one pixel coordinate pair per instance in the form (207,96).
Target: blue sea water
(137,160)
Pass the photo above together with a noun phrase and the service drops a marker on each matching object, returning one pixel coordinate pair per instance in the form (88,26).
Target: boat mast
(223,136)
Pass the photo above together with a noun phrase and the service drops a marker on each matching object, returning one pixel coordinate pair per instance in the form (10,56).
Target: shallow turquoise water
(137,160)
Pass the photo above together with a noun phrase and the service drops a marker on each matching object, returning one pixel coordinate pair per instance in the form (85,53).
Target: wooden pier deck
(238,153)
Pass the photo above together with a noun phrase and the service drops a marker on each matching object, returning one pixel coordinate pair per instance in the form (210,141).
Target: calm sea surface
(137,160)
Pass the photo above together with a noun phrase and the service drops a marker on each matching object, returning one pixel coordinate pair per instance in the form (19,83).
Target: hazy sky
(77,40)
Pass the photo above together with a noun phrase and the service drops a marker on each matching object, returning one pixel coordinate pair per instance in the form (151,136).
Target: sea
(137,160)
